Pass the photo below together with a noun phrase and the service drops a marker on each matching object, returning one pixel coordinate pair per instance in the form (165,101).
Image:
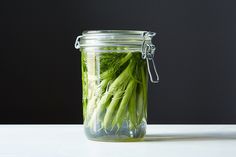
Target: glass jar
(114,65)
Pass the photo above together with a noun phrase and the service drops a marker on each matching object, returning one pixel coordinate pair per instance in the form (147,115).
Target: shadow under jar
(115,66)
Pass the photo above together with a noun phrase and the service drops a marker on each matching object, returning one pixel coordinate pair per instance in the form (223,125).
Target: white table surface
(160,141)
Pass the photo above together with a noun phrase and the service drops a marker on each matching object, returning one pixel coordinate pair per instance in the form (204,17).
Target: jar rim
(98,38)
(117,32)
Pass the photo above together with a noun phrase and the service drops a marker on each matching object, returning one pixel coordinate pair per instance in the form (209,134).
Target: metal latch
(77,44)
(148,50)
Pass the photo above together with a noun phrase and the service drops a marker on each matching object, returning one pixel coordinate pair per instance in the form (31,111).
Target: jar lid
(97,38)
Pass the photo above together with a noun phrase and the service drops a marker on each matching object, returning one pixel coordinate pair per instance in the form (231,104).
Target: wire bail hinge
(148,51)
(77,44)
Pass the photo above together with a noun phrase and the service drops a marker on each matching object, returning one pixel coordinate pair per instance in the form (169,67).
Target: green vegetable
(127,95)
(132,109)
(114,90)
(144,83)
(111,108)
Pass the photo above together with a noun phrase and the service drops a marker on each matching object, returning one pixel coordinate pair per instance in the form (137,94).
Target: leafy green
(119,94)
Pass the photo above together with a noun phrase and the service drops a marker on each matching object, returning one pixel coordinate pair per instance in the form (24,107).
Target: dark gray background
(40,69)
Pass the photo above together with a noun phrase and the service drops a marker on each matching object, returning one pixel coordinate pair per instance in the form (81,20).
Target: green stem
(111,108)
(144,83)
(123,105)
(132,109)
(140,102)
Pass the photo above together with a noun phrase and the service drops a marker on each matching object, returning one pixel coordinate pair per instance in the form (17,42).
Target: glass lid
(97,38)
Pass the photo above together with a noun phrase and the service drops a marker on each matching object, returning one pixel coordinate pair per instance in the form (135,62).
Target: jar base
(104,139)
(123,134)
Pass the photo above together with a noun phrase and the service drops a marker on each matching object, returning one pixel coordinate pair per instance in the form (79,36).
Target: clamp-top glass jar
(115,64)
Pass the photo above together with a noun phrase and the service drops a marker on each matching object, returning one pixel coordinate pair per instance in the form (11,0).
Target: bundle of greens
(114,89)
